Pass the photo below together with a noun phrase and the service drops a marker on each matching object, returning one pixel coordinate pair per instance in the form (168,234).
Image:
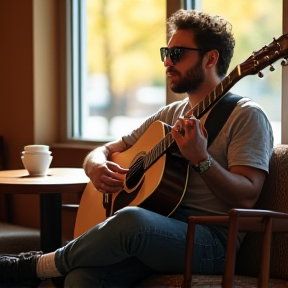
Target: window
(118,78)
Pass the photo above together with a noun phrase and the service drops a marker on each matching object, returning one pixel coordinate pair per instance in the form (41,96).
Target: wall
(28,86)
(28,75)
(16,76)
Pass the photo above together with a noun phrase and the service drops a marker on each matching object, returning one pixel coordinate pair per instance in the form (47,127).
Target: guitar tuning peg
(284,62)
(260,74)
(271,68)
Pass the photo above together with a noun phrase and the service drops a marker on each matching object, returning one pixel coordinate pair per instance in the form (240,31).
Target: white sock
(46,267)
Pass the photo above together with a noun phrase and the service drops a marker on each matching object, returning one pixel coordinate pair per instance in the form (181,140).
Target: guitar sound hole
(135,174)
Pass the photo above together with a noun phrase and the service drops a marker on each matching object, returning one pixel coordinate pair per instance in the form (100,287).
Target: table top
(57,180)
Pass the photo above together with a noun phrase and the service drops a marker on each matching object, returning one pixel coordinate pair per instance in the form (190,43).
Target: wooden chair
(262,260)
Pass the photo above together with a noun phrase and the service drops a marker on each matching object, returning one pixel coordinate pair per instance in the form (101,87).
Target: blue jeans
(135,243)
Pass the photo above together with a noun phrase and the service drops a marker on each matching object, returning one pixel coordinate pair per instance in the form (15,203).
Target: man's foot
(19,269)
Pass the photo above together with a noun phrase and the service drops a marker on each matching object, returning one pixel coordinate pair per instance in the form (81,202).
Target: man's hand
(106,176)
(191,138)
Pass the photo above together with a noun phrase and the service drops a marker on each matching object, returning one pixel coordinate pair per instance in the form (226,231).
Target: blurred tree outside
(255,23)
(124,38)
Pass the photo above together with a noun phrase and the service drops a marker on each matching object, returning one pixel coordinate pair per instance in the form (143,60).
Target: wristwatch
(203,166)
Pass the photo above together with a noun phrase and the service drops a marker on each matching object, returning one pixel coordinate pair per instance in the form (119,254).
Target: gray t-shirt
(245,139)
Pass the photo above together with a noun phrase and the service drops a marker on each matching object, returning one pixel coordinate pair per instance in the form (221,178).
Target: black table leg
(50,222)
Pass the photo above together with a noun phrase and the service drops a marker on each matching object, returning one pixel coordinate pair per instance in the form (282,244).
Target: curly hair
(211,32)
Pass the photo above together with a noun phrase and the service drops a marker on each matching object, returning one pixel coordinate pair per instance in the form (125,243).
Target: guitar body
(160,188)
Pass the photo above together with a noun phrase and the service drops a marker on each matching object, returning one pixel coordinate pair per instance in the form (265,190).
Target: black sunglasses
(175,53)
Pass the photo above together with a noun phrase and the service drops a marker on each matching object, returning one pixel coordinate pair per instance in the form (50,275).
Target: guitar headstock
(259,60)
(266,56)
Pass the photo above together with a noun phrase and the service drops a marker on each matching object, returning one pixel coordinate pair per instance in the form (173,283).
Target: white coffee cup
(23,153)
(36,148)
(37,164)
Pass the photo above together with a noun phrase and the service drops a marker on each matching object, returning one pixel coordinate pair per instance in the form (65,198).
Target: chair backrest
(274,196)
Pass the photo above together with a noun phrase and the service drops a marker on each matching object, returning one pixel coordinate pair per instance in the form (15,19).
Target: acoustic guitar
(158,174)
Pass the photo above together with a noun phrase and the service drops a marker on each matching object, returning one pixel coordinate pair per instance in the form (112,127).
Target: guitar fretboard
(158,151)
(220,90)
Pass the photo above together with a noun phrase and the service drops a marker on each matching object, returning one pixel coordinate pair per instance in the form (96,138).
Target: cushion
(15,239)
(204,281)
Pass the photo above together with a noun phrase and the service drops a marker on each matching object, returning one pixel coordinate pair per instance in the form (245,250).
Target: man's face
(187,74)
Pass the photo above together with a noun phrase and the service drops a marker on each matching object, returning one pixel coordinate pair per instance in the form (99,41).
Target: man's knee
(133,215)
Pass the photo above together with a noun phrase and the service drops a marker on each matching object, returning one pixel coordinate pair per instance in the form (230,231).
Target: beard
(190,82)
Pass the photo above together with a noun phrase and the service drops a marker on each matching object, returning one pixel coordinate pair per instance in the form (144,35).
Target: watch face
(203,166)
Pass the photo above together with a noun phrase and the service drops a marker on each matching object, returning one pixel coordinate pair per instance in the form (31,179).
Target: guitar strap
(219,115)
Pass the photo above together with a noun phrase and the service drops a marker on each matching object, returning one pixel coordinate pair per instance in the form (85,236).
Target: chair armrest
(238,220)
(254,220)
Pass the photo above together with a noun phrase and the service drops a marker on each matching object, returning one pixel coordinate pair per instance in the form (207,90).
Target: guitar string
(154,153)
(151,156)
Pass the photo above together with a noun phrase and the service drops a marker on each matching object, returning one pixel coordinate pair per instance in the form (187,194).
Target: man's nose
(168,62)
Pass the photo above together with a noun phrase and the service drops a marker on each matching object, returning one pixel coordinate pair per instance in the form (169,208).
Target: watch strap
(203,165)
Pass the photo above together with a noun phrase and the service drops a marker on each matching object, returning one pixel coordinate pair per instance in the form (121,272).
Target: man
(135,242)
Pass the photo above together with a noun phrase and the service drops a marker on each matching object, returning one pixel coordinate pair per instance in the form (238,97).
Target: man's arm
(238,187)
(105,174)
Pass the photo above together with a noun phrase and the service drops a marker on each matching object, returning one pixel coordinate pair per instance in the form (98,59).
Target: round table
(50,187)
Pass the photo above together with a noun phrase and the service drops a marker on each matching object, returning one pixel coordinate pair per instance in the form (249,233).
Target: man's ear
(211,58)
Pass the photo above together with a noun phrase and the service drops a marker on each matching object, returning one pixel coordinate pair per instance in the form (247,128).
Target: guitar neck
(198,111)
(220,90)
(158,150)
